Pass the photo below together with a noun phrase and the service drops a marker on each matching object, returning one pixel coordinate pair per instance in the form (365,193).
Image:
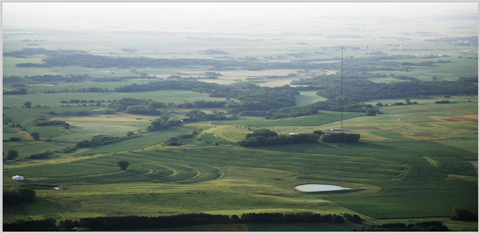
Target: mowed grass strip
(60,170)
(324,117)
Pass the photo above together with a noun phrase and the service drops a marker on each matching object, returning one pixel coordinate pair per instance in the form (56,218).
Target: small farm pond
(319,188)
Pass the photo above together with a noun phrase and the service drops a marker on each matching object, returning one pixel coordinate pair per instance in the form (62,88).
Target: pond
(319,188)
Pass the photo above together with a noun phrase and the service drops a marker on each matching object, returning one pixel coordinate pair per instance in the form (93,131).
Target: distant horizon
(191,16)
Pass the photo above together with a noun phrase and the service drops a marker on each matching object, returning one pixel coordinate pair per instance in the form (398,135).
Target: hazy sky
(185,16)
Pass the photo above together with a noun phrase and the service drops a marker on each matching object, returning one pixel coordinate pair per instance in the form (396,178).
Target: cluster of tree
(46,78)
(90,89)
(170,85)
(17,196)
(291,75)
(46,123)
(49,224)
(323,81)
(252,97)
(352,218)
(423,63)
(203,104)
(172,141)
(340,138)
(162,123)
(279,218)
(407,101)
(13,139)
(173,221)
(123,164)
(254,100)
(442,102)
(19,91)
(137,106)
(48,154)
(42,155)
(197,115)
(419,226)
(266,137)
(35,135)
(35,51)
(468,79)
(96,61)
(291,112)
(176,141)
(12,154)
(401,90)
(349,105)
(76,101)
(463,215)
(102,140)
(117,79)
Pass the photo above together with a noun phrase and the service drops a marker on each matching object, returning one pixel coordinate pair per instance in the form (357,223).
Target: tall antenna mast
(341,113)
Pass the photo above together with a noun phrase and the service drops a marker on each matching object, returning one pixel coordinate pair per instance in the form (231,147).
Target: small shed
(17,177)
(335,129)
(291,133)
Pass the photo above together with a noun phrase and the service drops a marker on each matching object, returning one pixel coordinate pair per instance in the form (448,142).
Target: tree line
(266,137)
(173,221)
(401,90)
(197,115)
(163,123)
(104,140)
(252,97)
(17,196)
(46,78)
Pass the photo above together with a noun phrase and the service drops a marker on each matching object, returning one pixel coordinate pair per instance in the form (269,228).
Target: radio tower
(341,100)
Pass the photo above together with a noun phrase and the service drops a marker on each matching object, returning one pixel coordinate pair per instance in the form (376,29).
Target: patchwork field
(413,162)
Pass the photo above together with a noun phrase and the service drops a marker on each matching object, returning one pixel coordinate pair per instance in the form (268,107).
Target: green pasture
(445,71)
(47,131)
(323,117)
(84,130)
(12,61)
(238,180)
(138,143)
(8,129)
(25,116)
(423,121)
(308,97)
(26,148)
(74,86)
(54,99)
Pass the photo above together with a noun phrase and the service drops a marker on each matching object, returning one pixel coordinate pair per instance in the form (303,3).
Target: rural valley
(214,117)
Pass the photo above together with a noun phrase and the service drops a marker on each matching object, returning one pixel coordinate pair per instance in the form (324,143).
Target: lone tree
(123,164)
(27,104)
(12,154)
(35,135)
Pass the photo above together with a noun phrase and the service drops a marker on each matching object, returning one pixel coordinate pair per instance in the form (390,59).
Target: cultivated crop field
(180,102)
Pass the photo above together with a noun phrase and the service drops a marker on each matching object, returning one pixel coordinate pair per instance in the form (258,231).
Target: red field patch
(422,134)
(449,120)
(435,138)
(456,109)
(464,118)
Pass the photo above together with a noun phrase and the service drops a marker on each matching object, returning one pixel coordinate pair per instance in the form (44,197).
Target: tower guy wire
(341,97)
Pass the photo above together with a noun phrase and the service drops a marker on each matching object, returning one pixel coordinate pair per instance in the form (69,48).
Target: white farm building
(17,177)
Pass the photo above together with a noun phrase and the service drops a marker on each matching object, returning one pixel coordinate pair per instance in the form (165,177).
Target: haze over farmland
(207,116)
